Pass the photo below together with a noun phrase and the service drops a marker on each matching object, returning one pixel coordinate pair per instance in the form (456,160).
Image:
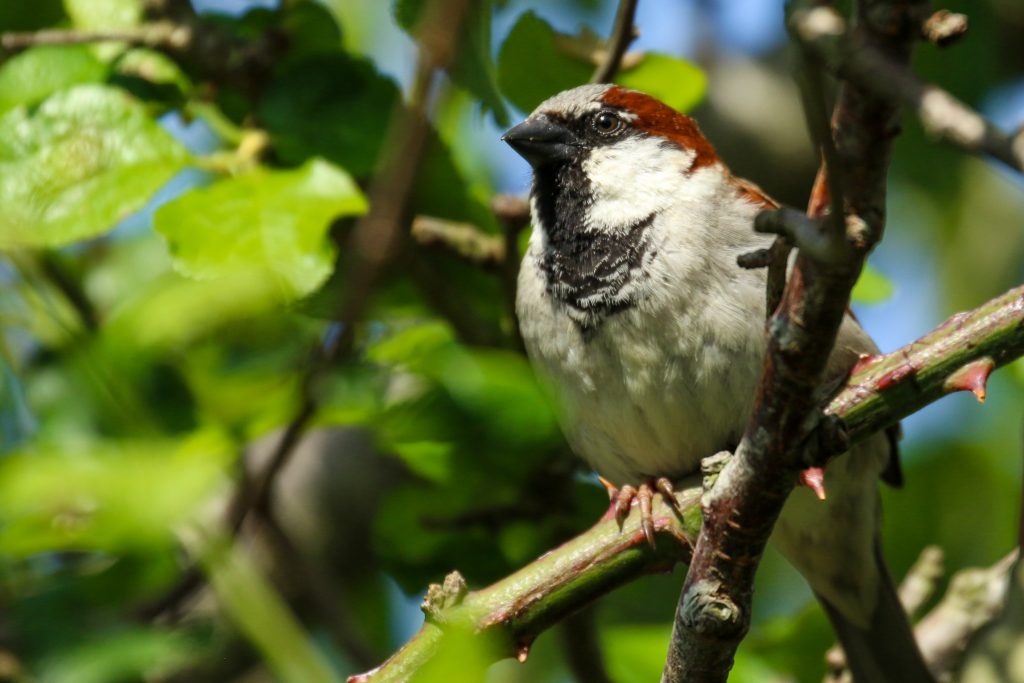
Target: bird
(634,312)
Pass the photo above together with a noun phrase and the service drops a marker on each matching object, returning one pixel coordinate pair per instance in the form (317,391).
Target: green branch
(880,392)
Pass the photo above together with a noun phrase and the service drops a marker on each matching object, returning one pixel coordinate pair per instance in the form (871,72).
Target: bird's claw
(622,499)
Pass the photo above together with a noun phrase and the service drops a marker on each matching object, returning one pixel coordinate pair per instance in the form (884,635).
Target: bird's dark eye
(607,123)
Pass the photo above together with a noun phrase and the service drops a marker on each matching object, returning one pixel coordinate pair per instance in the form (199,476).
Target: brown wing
(752,193)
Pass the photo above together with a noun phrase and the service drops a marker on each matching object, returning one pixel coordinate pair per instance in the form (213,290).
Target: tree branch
(605,557)
(463,240)
(159,35)
(713,614)
(536,597)
(948,119)
(623,34)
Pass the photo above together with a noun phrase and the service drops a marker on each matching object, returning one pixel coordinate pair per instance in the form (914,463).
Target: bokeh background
(173,247)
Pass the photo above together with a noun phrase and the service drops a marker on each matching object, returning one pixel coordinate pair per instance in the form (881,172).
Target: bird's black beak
(541,141)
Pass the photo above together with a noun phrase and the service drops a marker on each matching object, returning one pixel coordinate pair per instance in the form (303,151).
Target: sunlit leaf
(531,68)
(431,460)
(675,82)
(35,74)
(173,312)
(104,14)
(537,62)
(105,495)
(872,287)
(496,385)
(84,159)
(264,618)
(268,222)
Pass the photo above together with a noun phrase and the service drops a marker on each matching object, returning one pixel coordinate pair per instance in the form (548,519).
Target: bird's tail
(885,651)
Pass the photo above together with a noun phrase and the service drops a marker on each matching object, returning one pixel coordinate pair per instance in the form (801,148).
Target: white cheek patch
(632,179)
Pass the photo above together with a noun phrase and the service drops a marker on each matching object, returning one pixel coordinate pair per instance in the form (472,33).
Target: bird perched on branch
(633,307)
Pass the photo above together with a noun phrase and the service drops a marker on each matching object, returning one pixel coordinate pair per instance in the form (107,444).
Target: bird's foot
(622,499)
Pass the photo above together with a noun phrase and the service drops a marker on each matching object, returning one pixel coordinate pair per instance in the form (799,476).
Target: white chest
(656,387)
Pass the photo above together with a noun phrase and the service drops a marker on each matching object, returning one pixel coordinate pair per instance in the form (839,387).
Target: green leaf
(311,28)
(676,82)
(329,105)
(129,655)
(85,159)
(531,68)
(108,496)
(872,287)
(537,62)
(636,652)
(151,75)
(104,14)
(270,222)
(175,312)
(33,75)
(30,16)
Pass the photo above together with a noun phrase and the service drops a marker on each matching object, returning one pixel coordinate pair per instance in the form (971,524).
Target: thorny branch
(523,605)
(373,245)
(713,614)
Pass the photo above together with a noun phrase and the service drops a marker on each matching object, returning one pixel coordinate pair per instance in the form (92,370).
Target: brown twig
(623,33)
(974,598)
(159,35)
(943,116)
(214,51)
(463,240)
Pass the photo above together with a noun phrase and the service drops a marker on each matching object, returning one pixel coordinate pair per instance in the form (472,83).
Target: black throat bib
(588,270)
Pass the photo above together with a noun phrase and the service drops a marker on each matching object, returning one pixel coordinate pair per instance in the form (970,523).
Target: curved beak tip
(540,140)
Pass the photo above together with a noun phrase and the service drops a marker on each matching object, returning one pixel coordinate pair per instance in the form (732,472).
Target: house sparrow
(631,304)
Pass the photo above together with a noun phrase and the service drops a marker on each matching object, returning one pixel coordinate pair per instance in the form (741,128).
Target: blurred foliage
(175,246)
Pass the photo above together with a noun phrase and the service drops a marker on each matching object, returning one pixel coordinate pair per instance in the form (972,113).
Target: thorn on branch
(972,377)
(814,479)
(943,28)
